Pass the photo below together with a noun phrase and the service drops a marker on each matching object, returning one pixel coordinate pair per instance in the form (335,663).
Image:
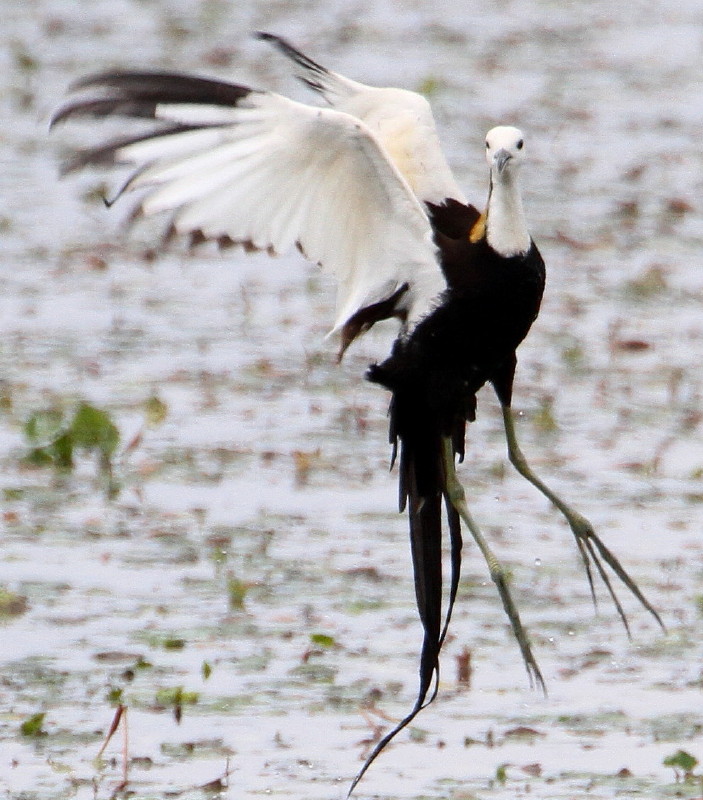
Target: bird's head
(504,149)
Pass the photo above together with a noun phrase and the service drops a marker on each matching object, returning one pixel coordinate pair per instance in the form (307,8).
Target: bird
(360,185)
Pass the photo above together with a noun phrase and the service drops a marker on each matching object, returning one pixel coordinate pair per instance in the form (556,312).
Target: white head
(506,228)
(504,149)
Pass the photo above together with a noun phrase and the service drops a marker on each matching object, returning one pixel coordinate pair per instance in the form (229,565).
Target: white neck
(506,227)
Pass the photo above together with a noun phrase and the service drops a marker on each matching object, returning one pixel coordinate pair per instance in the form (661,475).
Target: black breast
(472,336)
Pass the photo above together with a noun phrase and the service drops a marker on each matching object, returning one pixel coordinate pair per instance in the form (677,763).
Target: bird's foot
(594,553)
(499,574)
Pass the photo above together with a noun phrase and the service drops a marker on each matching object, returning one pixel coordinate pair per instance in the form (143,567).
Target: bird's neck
(506,227)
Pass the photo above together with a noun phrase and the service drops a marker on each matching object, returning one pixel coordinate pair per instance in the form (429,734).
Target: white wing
(401,120)
(283,173)
(346,184)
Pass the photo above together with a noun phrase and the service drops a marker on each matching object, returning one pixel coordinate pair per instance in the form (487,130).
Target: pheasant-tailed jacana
(363,189)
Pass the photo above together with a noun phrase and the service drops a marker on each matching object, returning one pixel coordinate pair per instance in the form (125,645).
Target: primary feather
(401,120)
(346,184)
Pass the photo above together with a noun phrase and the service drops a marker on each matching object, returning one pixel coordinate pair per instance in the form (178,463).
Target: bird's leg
(498,573)
(593,551)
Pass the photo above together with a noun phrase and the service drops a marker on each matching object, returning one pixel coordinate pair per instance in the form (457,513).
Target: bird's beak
(500,159)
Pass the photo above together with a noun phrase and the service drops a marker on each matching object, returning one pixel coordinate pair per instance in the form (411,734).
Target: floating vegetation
(683,764)
(651,283)
(55,436)
(237,591)
(34,725)
(323,640)
(11,603)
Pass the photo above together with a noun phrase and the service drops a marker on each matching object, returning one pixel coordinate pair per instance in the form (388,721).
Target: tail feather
(425,517)
(423,491)
(456,543)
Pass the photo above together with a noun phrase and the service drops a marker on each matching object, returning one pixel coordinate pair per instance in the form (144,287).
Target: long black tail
(423,493)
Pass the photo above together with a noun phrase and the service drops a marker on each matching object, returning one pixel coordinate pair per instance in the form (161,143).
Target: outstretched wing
(401,120)
(231,163)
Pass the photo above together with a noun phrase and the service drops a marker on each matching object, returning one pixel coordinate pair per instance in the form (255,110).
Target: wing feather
(401,120)
(282,172)
(347,184)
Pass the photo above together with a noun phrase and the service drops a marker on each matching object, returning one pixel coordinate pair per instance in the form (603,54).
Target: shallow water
(253,555)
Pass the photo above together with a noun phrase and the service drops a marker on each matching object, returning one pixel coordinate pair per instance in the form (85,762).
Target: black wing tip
(280,43)
(285,47)
(106,106)
(138,93)
(61,114)
(265,36)
(103,78)
(130,79)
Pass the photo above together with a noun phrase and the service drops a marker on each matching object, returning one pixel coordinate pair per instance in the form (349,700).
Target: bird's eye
(487,144)
(520,144)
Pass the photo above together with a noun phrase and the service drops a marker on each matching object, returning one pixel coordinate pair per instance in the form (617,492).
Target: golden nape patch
(478,231)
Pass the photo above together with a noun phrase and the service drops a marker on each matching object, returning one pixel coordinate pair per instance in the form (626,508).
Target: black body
(470,338)
(434,374)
